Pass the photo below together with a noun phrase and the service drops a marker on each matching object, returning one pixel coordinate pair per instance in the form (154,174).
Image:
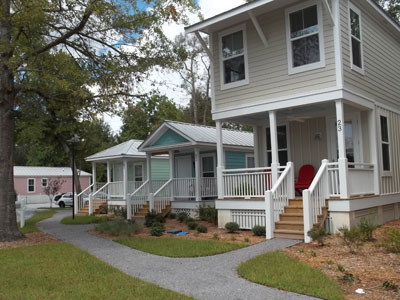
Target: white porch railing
(83,197)
(361,179)
(184,187)
(246,183)
(116,189)
(133,186)
(156,184)
(137,199)
(209,187)
(101,194)
(278,197)
(333,179)
(162,198)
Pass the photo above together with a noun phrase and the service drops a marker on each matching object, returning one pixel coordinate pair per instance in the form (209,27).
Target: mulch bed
(371,265)
(34,238)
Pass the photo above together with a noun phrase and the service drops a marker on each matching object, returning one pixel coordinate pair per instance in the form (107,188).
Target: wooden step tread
(289,231)
(290,222)
(294,206)
(292,214)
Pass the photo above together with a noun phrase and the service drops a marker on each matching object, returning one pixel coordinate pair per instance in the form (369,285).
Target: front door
(183,167)
(184,187)
(352,140)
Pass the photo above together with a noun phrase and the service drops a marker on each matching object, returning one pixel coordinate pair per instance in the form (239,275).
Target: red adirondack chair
(306,176)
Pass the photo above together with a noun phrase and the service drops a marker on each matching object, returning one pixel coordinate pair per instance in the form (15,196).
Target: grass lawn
(62,271)
(278,270)
(30,224)
(174,247)
(79,220)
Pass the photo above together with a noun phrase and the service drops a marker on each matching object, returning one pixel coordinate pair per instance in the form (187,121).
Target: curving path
(212,277)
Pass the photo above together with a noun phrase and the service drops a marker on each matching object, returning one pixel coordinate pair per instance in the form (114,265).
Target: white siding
(268,67)
(381,81)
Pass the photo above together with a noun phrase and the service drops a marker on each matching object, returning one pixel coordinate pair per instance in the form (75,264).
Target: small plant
(202,229)
(192,225)
(366,227)
(157,229)
(259,230)
(104,210)
(150,218)
(313,253)
(329,262)
(119,211)
(390,285)
(301,250)
(348,277)
(246,240)
(352,238)
(159,219)
(233,239)
(232,227)
(215,236)
(172,215)
(209,214)
(189,220)
(391,241)
(318,234)
(181,217)
(341,268)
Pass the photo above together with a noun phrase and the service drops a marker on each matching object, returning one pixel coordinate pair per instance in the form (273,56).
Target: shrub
(172,215)
(366,227)
(318,234)
(159,219)
(119,211)
(189,220)
(181,217)
(391,241)
(351,237)
(118,228)
(104,210)
(157,229)
(192,225)
(202,229)
(215,236)
(209,214)
(150,218)
(232,227)
(246,240)
(259,230)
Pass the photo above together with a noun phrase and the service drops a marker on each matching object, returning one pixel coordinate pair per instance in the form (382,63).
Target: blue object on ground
(182,233)
(174,231)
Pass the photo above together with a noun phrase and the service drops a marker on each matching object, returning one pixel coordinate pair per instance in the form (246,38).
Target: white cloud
(209,8)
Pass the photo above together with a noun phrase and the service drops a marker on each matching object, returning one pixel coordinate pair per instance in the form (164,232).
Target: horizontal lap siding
(159,169)
(235,160)
(391,184)
(381,52)
(268,67)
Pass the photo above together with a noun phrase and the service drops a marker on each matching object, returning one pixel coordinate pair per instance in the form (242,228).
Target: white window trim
(287,149)
(247,156)
(34,185)
(352,66)
(134,171)
(316,65)
(214,164)
(47,182)
(385,172)
(225,86)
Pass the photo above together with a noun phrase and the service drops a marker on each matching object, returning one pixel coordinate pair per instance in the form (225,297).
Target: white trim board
(240,204)
(364,203)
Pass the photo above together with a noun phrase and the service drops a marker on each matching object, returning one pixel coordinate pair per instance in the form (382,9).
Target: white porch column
(274,146)
(94,176)
(172,171)
(263,154)
(342,160)
(220,160)
(197,173)
(125,177)
(108,172)
(256,147)
(373,144)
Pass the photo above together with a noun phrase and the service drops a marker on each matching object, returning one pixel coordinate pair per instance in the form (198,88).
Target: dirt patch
(34,238)
(371,266)
(241,237)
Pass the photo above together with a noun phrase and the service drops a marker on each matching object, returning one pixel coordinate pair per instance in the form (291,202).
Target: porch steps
(141,214)
(291,223)
(97,207)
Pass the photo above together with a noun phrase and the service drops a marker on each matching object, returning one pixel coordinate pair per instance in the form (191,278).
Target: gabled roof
(199,135)
(126,149)
(258,7)
(24,171)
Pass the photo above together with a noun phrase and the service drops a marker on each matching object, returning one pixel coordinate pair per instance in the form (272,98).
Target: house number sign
(339,125)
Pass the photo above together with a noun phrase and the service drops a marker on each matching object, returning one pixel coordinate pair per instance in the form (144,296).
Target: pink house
(31,181)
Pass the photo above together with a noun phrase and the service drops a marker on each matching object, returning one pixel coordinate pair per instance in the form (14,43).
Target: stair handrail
(139,188)
(314,198)
(162,187)
(153,196)
(284,184)
(90,186)
(92,195)
(76,197)
(129,199)
(99,190)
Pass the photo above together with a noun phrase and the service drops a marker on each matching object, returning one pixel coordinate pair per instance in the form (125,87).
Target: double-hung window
(385,144)
(44,182)
(356,39)
(138,168)
(31,185)
(305,39)
(208,166)
(233,63)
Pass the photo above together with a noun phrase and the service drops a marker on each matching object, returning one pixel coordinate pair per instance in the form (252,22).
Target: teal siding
(235,160)
(159,169)
(170,137)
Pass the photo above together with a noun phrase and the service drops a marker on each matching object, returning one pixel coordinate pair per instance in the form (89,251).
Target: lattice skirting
(188,211)
(247,219)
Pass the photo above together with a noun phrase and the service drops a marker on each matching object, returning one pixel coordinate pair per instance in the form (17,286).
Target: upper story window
(385,143)
(305,37)
(233,47)
(356,39)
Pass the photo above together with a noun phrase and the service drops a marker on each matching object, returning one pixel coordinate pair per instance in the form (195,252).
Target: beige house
(319,81)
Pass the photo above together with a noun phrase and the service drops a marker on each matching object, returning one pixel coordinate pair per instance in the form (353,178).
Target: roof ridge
(207,126)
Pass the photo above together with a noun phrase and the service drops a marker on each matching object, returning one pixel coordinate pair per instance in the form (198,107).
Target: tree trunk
(8,219)
(78,188)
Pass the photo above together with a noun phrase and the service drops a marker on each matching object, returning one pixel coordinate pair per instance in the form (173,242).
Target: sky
(208,8)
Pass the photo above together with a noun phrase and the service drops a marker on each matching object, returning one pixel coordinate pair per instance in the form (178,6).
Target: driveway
(211,277)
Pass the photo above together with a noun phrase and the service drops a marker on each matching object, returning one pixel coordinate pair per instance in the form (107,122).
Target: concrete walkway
(212,277)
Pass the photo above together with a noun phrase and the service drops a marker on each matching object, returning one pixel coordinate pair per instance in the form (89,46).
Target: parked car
(57,197)
(66,200)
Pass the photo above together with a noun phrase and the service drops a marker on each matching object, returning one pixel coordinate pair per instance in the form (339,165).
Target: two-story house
(319,81)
